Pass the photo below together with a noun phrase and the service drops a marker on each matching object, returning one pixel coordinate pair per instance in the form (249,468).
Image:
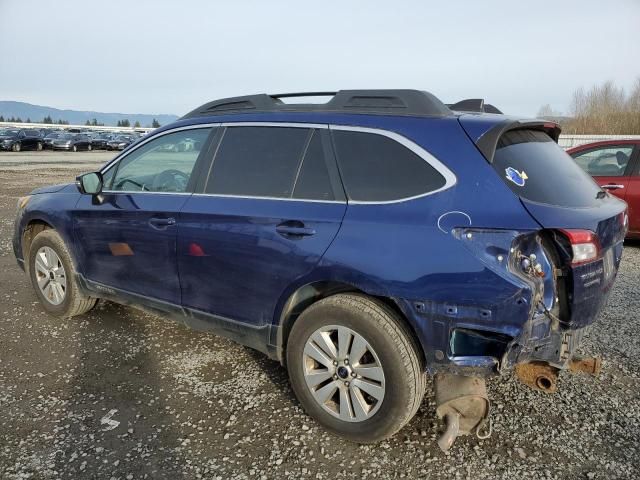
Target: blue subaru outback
(364,243)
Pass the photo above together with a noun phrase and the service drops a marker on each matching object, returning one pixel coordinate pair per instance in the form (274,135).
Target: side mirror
(90,183)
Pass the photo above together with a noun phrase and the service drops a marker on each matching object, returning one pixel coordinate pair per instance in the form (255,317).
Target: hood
(51,188)
(7,137)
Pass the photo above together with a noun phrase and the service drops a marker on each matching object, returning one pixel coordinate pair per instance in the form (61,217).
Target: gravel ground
(120,394)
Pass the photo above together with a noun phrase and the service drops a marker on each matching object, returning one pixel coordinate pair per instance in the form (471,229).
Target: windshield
(6,131)
(535,168)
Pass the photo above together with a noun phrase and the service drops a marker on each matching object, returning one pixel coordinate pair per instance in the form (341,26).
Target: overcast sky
(169,56)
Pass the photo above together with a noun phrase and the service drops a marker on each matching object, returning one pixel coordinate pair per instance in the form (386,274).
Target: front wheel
(16,147)
(39,146)
(355,367)
(53,277)
(74,148)
(89,148)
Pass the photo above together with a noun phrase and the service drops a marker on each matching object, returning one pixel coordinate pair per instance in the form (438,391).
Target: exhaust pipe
(589,365)
(539,376)
(543,377)
(463,404)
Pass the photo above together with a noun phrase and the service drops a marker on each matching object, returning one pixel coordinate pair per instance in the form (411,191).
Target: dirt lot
(120,394)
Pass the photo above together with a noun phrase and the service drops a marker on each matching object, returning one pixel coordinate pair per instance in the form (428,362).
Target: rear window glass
(376,168)
(537,169)
(258,161)
(314,182)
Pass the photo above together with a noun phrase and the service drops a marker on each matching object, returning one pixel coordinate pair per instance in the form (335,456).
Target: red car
(615,165)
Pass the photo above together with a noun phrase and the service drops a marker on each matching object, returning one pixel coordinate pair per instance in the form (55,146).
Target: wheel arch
(310,293)
(32,228)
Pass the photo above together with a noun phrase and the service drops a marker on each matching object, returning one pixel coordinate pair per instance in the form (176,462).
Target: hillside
(36,113)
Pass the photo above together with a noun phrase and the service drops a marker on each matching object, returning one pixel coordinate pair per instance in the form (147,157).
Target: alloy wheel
(50,274)
(343,373)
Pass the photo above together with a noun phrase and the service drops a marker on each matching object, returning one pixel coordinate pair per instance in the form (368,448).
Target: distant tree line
(89,123)
(603,109)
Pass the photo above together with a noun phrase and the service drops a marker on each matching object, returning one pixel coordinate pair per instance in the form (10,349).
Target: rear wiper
(601,194)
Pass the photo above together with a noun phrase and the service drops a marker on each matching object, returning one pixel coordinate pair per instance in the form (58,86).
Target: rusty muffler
(538,375)
(463,404)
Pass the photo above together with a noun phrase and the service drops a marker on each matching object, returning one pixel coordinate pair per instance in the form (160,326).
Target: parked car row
(18,139)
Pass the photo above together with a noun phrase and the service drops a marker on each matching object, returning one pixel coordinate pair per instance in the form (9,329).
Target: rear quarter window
(376,168)
(537,169)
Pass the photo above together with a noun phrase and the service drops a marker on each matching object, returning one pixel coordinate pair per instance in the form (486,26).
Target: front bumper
(61,147)
(6,146)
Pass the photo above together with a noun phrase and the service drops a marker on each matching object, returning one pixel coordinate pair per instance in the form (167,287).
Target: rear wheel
(53,277)
(74,148)
(89,148)
(355,367)
(39,146)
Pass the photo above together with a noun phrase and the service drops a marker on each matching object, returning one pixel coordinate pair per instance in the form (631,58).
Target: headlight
(22,202)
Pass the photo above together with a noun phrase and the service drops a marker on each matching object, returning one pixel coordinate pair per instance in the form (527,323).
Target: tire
(89,148)
(39,146)
(16,147)
(74,148)
(74,301)
(391,346)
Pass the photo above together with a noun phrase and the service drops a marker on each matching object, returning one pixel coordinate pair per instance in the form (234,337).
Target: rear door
(609,165)
(269,208)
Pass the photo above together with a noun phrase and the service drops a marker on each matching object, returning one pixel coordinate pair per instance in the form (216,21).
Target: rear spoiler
(488,142)
(473,105)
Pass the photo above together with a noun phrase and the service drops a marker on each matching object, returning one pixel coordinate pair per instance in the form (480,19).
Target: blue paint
(224,262)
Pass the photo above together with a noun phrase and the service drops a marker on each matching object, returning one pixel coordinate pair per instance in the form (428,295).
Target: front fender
(53,209)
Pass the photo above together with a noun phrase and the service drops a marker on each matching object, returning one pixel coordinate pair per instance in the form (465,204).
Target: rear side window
(376,168)
(314,181)
(258,161)
(537,169)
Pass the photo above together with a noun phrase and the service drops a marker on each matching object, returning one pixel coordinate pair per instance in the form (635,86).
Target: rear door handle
(612,186)
(294,228)
(162,223)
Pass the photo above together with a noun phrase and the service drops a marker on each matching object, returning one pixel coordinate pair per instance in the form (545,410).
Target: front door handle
(162,223)
(612,186)
(294,228)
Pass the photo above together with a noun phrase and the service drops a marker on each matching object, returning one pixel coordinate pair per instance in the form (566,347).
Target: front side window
(258,161)
(376,168)
(609,161)
(164,164)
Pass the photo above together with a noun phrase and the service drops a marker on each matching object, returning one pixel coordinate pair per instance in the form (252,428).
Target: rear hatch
(587,224)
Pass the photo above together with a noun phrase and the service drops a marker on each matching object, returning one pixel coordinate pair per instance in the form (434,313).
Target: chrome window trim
(442,169)
(449,176)
(147,192)
(248,197)
(276,124)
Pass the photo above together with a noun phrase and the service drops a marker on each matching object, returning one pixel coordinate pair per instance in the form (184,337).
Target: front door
(127,241)
(270,208)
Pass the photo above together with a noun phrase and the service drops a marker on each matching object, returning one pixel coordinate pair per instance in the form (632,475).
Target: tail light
(584,245)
